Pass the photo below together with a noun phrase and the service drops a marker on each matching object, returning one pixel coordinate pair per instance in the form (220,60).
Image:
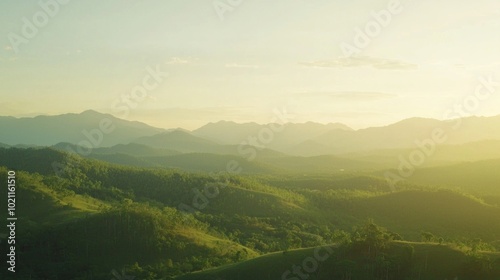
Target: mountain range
(96,131)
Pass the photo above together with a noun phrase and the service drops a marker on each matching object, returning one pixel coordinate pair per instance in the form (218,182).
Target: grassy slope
(269,266)
(38,205)
(42,211)
(430,261)
(408,211)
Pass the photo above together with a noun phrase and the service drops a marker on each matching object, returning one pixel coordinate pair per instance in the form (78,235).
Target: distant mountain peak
(223,122)
(90,112)
(176,132)
(94,113)
(178,129)
(73,128)
(414,121)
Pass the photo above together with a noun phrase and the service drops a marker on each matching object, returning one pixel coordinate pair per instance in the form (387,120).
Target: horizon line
(32,116)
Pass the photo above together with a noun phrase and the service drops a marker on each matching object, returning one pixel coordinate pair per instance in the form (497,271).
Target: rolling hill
(429,261)
(132,149)
(177,222)
(73,232)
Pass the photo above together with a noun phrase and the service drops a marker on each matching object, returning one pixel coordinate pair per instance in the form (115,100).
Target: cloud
(178,60)
(236,65)
(360,61)
(7,48)
(353,95)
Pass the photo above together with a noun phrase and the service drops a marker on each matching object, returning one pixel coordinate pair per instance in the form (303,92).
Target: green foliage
(92,217)
(371,236)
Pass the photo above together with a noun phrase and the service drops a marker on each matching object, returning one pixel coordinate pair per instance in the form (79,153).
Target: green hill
(200,162)
(46,201)
(131,149)
(74,233)
(424,261)
(443,212)
(176,222)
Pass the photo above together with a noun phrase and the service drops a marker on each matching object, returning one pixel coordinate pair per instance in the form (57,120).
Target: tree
(427,236)
(371,237)
(441,240)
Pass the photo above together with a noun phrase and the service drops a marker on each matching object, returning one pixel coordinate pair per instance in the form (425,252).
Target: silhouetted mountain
(403,134)
(273,136)
(94,128)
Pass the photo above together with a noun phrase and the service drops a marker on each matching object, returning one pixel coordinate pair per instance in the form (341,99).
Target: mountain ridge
(93,129)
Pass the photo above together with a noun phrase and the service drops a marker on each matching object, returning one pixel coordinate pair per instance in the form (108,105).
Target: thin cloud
(7,48)
(360,61)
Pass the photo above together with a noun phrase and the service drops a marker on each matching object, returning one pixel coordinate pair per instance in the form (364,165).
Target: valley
(175,205)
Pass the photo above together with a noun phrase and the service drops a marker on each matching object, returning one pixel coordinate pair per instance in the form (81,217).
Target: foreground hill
(337,201)
(425,261)
(66,235)
(177,222)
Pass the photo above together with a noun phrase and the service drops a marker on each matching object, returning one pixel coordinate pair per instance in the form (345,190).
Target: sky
(361,62)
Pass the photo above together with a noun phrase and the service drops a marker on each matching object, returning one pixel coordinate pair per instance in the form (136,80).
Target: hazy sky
(242,63)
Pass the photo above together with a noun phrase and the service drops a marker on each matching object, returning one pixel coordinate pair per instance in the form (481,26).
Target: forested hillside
(86,217)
